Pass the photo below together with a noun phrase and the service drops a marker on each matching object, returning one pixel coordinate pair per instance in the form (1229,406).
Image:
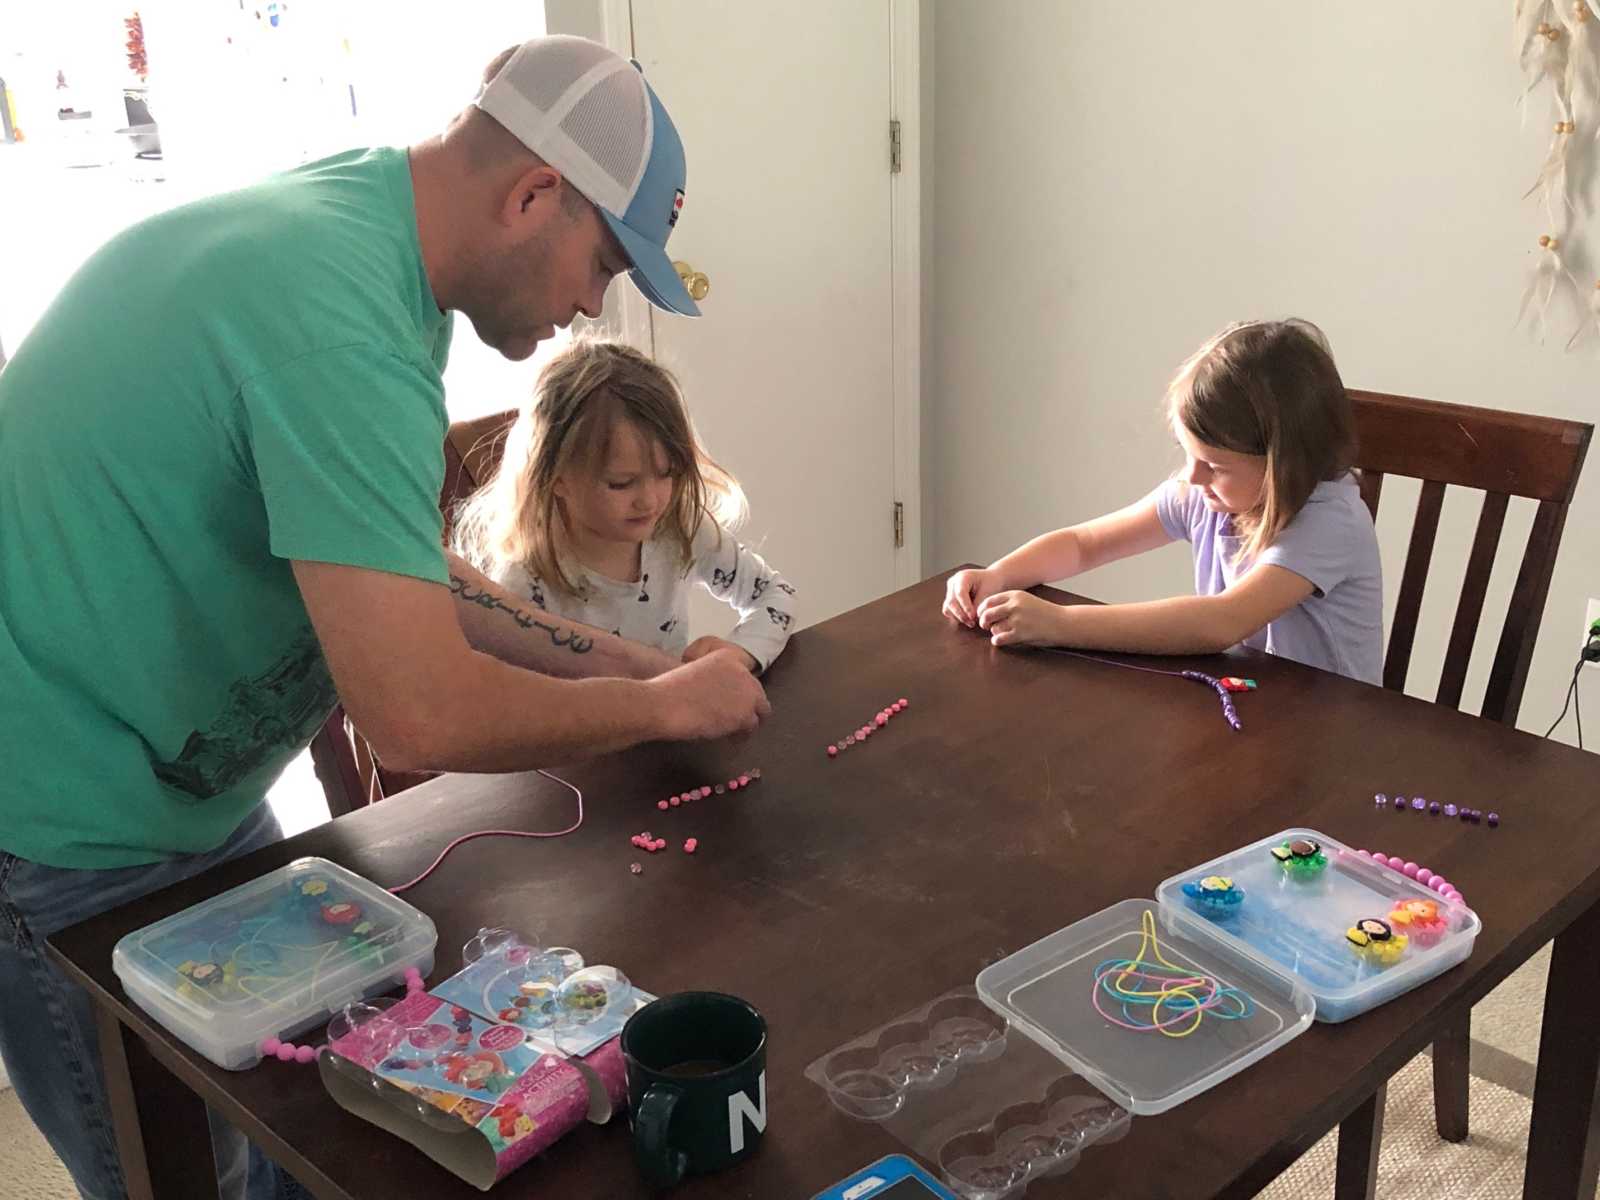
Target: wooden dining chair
(1501,454)
(350,774)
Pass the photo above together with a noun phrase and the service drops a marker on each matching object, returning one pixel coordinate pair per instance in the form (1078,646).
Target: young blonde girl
(1285,556)
(605,508)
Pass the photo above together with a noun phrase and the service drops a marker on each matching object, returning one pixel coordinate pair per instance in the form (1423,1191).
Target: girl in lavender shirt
(1285,556)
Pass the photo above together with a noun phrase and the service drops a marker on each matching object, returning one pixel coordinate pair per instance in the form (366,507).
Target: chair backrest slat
(1371,488)
(1409,607)
(1502,454)
(1512,657)
(1469,609)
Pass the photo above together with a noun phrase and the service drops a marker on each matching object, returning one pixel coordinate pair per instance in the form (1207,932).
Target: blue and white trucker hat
(589,113)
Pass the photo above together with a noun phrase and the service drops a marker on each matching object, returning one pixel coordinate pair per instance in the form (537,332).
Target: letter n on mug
(741,1110)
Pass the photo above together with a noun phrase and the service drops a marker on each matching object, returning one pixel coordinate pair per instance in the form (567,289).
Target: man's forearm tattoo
(483,598)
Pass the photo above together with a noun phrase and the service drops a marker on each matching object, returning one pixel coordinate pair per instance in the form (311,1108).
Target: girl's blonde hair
(581,394)
(1269,388)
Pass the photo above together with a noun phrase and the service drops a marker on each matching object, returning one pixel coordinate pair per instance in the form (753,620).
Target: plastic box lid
(1046,990)
(272,958)
(1298,924)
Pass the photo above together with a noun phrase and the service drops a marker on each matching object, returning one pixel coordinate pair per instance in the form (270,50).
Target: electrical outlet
(1589,622)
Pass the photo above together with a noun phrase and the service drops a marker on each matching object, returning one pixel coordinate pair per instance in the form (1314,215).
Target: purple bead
(1476,815)
(1418,803)
(1466,814)
(1450,810)
(1494,819)
(1399,802)
(1434,808)
(1380,800)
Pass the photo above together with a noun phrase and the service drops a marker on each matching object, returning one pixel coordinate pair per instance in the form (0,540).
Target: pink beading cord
(467,837)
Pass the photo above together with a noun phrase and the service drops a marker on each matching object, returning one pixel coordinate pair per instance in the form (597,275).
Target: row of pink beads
(866,731)
(1410,870)
(288,1052)
(700,793)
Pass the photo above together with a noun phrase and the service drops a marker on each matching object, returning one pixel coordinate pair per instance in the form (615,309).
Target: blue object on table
(894,1177)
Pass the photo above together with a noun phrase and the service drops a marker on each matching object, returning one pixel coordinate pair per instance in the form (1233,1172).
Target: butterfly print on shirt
(644,596)
(761,585)
(785,589)
(780,619)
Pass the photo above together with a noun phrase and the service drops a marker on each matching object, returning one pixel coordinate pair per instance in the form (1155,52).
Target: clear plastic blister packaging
(991,1111)
(1355,934)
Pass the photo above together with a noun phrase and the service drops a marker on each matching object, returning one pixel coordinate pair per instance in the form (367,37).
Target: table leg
(1452,1074)
(163,1136)
(1563,1151)
(1360,1136)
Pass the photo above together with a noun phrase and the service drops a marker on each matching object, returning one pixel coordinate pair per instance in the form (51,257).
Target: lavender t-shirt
(1330,543)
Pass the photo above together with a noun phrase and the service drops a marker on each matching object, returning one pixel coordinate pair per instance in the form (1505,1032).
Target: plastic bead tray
(986,1142)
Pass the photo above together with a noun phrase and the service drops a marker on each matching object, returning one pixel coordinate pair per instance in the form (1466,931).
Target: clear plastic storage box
(1298,916)
(1049,991)
(272,958)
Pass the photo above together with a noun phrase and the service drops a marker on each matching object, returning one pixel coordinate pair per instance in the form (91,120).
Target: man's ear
(533,198)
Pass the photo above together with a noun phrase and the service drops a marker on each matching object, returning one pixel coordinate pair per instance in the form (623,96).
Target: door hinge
(899,524)
(894,147)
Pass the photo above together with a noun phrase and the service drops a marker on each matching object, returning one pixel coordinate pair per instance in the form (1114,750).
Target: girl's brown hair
(1269,388)
(581,394)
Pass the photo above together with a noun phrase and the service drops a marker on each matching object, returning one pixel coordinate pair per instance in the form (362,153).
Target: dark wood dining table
(1019,792)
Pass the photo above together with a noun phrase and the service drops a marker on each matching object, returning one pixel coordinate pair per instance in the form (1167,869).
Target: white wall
(1113,183)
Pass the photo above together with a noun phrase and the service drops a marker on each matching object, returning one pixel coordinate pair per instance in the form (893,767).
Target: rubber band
(1186,996)
(465,838)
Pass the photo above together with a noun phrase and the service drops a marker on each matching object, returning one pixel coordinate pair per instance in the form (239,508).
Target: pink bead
(687,796)
(880,720)
(661,844)
(744,781)
(285,1052)
(675,801)
(705,791)
(733,785)
(1438,883)
(1424,876)
(691,845)
(305,1054)
(269,1046)
(1409,870)
(903,702)
(1452,894)
(833,752)
(663,805)
(1364,854)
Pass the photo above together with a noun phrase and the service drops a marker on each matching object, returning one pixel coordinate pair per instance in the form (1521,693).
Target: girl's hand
(701,647)
(966,591)
(1021,619)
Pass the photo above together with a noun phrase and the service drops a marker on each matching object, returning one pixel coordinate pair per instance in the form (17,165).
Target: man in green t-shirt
(220,462)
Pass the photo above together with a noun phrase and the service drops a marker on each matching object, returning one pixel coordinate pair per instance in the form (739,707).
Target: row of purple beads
(1472,815)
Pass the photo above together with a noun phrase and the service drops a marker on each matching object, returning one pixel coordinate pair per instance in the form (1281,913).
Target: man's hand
(1021,619)
(701,647)
(709,698)
(967,590)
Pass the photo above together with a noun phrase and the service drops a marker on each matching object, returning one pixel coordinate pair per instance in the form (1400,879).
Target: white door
(784,111)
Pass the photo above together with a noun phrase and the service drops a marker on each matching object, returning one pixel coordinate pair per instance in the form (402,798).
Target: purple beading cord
(1228,710)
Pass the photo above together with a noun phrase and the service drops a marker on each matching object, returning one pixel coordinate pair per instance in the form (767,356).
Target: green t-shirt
(230,385)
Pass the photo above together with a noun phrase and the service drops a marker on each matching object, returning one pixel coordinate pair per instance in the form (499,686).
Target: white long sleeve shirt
(655,609)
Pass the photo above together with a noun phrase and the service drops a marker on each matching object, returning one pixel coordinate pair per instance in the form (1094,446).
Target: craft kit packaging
(477,1097)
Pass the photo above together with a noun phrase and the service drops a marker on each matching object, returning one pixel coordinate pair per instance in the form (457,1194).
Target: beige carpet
(1414,1165)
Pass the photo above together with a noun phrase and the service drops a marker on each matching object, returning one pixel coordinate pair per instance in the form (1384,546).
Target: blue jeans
(47,1029)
